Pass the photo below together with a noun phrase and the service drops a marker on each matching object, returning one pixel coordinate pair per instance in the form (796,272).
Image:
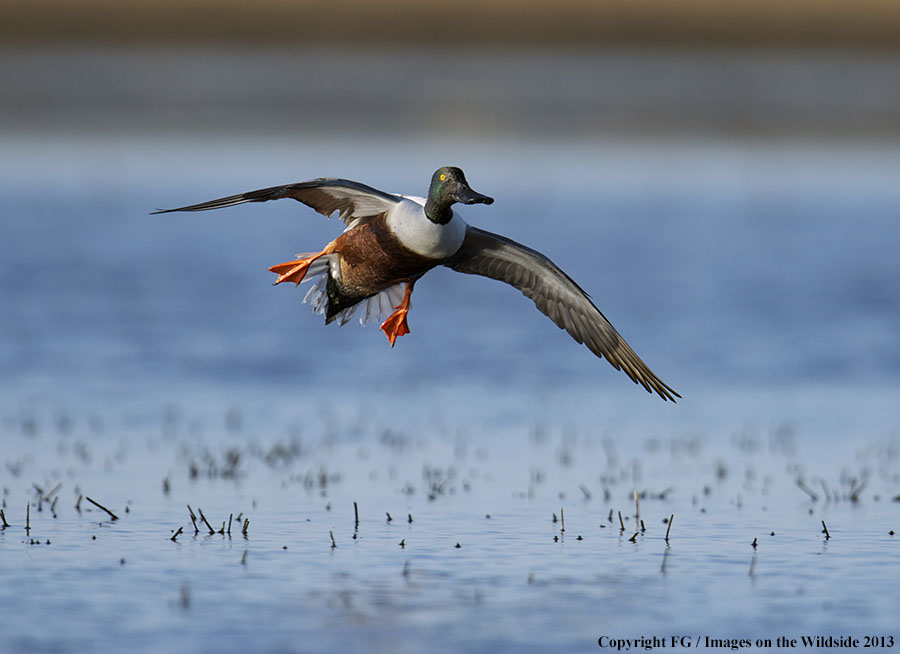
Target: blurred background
(722,178)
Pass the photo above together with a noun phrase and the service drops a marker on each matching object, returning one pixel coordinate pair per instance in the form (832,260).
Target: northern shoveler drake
(391,241)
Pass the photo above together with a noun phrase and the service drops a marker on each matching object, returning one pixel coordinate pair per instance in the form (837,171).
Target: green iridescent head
(448,186)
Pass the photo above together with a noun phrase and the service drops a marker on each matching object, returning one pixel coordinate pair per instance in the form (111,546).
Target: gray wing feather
(353,201)
(557,296)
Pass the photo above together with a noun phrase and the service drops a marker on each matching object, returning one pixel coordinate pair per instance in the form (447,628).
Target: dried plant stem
(193,519)
(48,496)
(100,506)
(205,521)
(806,489)
(669,528)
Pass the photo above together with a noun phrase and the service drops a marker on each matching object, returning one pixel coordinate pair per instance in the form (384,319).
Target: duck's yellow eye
(443,176)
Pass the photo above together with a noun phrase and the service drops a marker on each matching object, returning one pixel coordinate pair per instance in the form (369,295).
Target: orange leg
(294,271)
(396,325)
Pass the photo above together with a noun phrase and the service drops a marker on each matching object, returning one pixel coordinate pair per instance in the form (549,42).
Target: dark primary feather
(351,200)
(556,295)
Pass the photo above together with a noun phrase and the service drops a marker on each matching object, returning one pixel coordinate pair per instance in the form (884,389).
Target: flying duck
(390,241)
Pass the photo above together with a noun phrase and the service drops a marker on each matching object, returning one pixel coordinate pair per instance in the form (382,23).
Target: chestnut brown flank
(372,259)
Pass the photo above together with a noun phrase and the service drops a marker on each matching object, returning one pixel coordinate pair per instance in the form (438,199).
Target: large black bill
(468,196)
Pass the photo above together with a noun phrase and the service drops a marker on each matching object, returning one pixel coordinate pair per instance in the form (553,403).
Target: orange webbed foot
(396,324)
(293,271)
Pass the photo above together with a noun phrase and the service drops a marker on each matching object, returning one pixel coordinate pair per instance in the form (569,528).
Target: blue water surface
(147,362)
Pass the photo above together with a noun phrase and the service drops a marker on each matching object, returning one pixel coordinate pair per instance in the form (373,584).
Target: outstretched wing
(557,296)
(354,202)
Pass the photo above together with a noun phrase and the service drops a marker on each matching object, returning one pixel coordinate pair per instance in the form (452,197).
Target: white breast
(408,222)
